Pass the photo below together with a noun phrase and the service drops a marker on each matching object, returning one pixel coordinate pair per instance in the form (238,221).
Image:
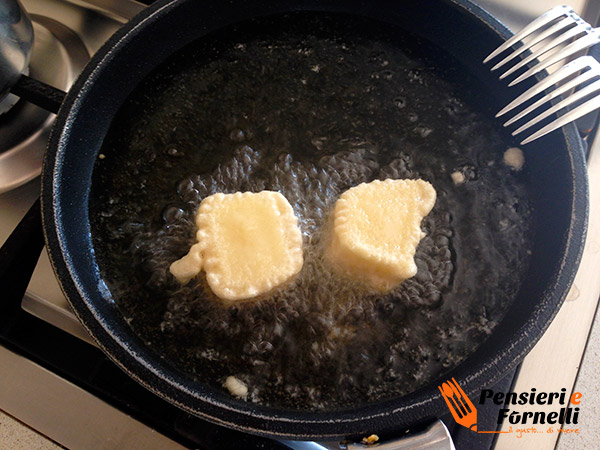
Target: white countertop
(16,435)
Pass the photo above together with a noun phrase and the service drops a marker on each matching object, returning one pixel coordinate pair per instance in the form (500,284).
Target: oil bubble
(400,102)
(172,214)
(237,135)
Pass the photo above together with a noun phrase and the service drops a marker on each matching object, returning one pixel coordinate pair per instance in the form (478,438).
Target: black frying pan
(557,186)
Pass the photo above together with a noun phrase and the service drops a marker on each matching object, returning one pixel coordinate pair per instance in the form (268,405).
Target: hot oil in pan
(311,114)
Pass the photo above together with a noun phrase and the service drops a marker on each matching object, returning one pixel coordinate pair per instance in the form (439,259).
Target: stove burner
(57,58)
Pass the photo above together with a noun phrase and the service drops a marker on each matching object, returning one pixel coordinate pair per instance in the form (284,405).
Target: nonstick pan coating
(559,193)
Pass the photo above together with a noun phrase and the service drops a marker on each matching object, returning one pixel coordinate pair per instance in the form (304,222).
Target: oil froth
(310,137)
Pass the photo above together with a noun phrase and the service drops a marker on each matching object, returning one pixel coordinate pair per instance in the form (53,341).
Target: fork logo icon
(459,404)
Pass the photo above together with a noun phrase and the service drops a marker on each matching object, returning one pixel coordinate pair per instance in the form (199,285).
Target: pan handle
(18,258)
(435,437)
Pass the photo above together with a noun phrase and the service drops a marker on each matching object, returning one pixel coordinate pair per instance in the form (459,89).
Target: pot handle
(16,36)
(39,93)
(435,437)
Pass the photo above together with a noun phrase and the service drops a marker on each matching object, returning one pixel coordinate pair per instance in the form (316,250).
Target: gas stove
(53,377)
(66,34)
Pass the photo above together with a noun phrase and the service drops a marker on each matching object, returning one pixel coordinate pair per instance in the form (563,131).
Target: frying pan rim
(136,364)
